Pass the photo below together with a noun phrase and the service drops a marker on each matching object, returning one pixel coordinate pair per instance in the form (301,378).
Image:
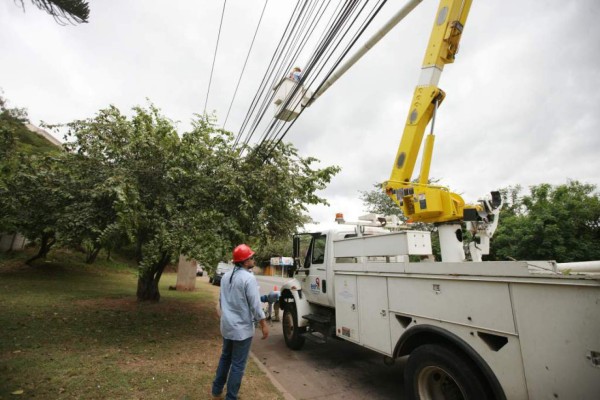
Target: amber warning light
(339,218)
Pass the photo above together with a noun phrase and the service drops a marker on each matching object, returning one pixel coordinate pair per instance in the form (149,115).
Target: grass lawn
(73,331)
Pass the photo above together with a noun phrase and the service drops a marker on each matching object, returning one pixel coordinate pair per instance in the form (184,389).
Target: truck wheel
(291,330)
(438,372)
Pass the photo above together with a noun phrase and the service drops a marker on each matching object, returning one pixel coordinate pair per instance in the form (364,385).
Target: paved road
(335,370)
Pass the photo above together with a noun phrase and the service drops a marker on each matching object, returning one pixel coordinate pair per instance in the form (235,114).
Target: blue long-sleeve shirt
(240,304)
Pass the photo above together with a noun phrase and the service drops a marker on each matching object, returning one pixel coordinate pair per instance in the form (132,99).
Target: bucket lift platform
(290,98)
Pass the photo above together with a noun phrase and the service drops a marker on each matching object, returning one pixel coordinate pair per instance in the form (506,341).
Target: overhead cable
(284,64)
(256,96)
(245,62)
(215,55)
(317,61)
(349,46)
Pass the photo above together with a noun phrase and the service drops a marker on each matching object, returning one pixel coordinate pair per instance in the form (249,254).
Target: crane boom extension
(421,201)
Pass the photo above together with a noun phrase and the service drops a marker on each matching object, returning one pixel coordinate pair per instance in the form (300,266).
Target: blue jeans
(232,363)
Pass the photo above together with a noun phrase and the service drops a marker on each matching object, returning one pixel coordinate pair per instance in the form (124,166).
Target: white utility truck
(471,329)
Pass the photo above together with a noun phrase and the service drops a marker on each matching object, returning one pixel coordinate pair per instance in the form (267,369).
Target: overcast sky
(522,104)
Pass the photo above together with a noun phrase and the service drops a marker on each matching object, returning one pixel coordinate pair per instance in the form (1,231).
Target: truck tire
(291,330)
(435,371)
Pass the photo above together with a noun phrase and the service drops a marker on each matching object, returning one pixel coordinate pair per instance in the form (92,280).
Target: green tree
(276,247)
(559,223)
(193,195)
(89,221)
(11,128)
(27,163)
(33,199)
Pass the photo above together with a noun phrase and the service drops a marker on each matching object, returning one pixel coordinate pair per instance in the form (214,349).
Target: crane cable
(215,55)
(245,62)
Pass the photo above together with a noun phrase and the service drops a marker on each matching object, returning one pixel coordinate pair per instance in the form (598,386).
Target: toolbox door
(374,313)
(346,308)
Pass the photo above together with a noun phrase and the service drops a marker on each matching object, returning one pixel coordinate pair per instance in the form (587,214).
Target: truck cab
(312,256)
(308,300)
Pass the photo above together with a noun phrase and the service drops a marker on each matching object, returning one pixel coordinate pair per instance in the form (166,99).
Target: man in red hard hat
(240,307)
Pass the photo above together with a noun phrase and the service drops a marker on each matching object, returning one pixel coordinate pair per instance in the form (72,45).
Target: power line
(284,62)
(290,58)
(245,62)
(332,33)
(256,96)
(215,55)
(302,24)
(324,46)
(349,46)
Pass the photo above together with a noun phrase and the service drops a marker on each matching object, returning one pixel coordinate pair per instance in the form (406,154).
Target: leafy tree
(192,195)
(277,247)
(11,125)
(21,153)
(559,223)
(64,11)
(33,199)
(89,221)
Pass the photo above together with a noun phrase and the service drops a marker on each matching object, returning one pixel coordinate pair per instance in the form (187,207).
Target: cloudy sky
(522,105)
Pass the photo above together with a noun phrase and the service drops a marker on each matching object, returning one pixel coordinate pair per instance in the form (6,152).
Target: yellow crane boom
(421,201)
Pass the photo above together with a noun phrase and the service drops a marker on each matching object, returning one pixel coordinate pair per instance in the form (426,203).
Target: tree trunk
(147,289)
(47,242)
(91,256)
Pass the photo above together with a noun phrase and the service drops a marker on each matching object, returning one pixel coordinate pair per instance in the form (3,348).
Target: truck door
(311,267)
(317,277)
(303,243)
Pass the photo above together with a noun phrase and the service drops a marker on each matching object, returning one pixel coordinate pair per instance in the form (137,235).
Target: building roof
(44,134)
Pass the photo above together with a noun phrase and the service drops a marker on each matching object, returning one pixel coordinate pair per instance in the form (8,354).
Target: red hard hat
(241,253)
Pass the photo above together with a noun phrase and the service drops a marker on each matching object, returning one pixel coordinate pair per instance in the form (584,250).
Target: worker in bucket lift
(272,297)
(296,74)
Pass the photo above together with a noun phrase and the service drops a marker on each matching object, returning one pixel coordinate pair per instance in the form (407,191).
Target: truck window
(318,253)
(303,251)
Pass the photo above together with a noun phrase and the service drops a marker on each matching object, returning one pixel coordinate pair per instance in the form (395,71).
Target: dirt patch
(118,304)
(11,266)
